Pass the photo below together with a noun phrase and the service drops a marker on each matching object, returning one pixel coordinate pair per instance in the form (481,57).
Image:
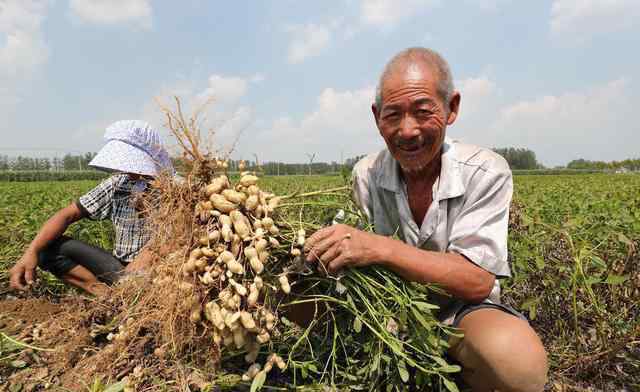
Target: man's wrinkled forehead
(408,72)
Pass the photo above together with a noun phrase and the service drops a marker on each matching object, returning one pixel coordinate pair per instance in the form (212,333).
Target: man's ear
(375,112)
(454,107)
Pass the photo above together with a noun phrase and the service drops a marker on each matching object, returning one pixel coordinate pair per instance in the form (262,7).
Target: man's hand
(23,273)
(340,246)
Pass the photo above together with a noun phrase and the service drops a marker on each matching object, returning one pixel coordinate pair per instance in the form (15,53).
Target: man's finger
(317,237)
(336,265)
(331,253)
(321,247)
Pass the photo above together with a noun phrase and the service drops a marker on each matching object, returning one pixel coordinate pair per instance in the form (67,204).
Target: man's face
(413,117)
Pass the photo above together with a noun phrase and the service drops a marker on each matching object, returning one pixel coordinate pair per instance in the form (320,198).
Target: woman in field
(135,155)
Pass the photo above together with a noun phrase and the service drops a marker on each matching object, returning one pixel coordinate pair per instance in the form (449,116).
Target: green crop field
(573,251)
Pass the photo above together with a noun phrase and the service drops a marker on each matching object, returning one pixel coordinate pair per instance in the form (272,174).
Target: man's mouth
(410,148)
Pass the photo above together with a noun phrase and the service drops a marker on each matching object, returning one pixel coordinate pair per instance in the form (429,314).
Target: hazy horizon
(293,78)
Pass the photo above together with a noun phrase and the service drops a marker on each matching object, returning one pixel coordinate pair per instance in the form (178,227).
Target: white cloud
(23,53)
(308,40)
(341,124)
(226,116)
(475,94)
(385,13)
(597,123)
(137,12)
(228,89)
(581,19)
(24,49)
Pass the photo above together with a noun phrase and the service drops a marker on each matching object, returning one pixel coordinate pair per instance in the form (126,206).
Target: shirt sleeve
(97,203)
(480,230)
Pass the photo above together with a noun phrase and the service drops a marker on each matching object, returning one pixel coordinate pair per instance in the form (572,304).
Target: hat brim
(122,157)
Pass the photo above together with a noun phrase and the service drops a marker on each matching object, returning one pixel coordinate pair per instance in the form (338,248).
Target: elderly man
(449,203)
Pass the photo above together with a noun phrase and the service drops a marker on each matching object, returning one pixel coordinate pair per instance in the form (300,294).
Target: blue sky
(290,78)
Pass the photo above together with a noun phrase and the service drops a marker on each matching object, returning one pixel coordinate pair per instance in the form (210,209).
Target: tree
(519,158)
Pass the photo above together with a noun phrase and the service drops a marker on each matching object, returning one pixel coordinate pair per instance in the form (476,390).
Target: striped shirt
(469,214)
(113,199)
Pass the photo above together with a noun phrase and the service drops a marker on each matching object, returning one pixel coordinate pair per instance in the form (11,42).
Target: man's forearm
(452,271)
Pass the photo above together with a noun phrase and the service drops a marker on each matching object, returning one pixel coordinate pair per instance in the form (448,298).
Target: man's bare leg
(84,279)
(500,352)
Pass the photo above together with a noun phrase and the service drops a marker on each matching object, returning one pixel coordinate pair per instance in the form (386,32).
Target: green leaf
(540,262)
(258,381)
(616,279)
(449,368)
(18,364)
(531,305)
(590,281)
(16,387)
(424,306)
(598,262)
(421,320)
(451,386)
(117,387)
(402,370)
(357,325)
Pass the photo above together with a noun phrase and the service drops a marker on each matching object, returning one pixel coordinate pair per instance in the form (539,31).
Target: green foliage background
(573,245)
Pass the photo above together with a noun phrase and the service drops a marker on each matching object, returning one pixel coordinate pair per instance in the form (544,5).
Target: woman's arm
(22,273)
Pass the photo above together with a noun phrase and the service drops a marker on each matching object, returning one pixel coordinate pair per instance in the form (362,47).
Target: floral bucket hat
(132,147)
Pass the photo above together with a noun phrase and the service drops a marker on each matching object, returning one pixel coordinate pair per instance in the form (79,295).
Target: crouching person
(449,204)
(134,154)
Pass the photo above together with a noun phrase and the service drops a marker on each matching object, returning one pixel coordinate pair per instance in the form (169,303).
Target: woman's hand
(22,274)
(340,246)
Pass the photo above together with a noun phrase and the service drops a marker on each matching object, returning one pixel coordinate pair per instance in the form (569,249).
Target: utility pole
(311,158)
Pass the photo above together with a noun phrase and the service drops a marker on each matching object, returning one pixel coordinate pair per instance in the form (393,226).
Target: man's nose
(409,127)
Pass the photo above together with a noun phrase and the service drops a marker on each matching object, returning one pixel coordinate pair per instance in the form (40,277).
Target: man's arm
(23,271)
(341,246)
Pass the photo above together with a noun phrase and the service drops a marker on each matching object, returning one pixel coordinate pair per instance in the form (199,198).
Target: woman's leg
(80,264)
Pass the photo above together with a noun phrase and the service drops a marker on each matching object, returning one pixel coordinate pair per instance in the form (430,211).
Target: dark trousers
(65,253)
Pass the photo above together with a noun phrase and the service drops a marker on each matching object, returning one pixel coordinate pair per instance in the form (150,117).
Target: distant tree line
(67,162)
(519,158)
(583,164)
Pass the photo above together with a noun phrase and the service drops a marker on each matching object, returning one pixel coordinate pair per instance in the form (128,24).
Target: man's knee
(502,351)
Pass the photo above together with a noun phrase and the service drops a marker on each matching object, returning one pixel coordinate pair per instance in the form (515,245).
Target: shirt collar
(450,181)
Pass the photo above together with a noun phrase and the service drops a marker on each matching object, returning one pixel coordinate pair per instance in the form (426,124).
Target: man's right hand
(22,274)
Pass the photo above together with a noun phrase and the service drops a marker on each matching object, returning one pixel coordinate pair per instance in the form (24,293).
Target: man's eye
(391,116)
(424,112)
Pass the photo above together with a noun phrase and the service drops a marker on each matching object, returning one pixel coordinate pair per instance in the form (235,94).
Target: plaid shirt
(113,199)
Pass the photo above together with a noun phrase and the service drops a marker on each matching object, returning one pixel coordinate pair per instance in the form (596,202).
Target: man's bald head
(418,57)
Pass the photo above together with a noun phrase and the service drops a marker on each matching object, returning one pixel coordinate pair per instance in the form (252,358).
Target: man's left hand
(340,246)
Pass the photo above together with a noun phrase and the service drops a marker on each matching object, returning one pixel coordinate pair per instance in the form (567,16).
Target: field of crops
(573,248)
